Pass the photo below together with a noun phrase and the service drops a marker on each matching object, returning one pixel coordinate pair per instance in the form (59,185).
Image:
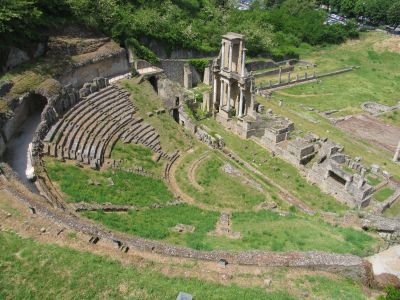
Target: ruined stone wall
(106,67)
(260,64)
(163,51)
(341,264)
(174,69)
(170,91)
(13,56)
(274,72)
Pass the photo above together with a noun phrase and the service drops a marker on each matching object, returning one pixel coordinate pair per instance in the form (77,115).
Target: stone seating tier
(89,131)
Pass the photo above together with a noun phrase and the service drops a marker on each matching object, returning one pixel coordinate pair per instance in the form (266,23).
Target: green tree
(393,14)
(18,19)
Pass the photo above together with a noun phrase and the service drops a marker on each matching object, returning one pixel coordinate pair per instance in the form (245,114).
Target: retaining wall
(174,69)
(342,264)
(105,67)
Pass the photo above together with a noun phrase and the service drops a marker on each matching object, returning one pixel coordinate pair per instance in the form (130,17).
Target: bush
(200,64)
(392,293)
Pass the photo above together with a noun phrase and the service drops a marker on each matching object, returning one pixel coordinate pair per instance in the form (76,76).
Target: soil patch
(391,44)
(373,130)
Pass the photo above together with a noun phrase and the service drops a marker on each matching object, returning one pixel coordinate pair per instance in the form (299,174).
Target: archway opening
(153,81)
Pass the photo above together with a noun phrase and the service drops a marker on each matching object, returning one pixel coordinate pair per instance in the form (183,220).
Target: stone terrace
(88,132)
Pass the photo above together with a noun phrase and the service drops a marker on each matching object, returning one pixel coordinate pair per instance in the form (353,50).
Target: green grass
(172,137)
(278,170)
(374,180)
(30,270)
(157,224)
(269,231)
(394,210)
(114,187)
(377,80)
(321,287)
(220,189)
(383,194)
(263,230)
(136,156)
(392,117)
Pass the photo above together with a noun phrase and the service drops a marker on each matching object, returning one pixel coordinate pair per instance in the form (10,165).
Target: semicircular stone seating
(89,130)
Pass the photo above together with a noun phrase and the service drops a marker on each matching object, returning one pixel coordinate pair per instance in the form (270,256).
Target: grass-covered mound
(134,155)
(157,224)
(216,187)
(112,186)
(172,137)
(263,230)
(383,194)
(277,170)
(267,230)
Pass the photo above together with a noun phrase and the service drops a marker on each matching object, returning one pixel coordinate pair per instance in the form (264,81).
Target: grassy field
(376,79)
(116,187)
(392,118)
(157,224)
(383,194)
(394,210)
(262,230)
(30,270)
(278,170)
(219,189)
(172,137)
(137,156)
(33,271)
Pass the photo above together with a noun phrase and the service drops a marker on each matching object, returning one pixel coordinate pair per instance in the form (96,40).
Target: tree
(393,14)
(294,7)
(18,20)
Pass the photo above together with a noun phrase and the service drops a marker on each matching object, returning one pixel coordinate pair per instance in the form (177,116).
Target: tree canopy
(274,27)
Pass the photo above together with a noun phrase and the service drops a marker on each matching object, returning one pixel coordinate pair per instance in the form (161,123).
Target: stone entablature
(233,87)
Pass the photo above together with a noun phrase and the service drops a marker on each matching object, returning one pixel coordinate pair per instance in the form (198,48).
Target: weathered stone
(384,280)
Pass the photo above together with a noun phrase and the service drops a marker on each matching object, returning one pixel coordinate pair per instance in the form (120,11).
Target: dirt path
(192,170)
(284,193)
(185,197)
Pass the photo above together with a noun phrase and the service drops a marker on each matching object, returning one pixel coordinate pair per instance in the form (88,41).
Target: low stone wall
(341,264)
(305,79)
(274,72)
(13,57)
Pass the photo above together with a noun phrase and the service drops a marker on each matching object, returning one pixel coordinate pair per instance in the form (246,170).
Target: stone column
(288,77)
(243,61)
(230,58)
(396,157)
(229,96)
(280,75)
(270,83)
(223,55)
(240,114)
(215,89)
(222,94)
(305,75)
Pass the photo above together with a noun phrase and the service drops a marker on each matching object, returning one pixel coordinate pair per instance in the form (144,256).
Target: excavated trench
(27,122)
